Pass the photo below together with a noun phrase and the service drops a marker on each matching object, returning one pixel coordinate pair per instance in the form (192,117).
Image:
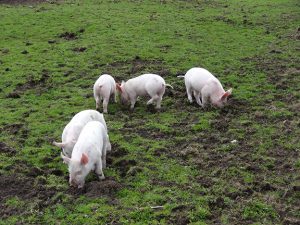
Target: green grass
(258,210)
(181,159)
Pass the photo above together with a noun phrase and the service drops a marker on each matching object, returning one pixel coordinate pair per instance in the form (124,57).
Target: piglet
(89,153)
(145,85)
(104,89)
(73,129)
(202,84)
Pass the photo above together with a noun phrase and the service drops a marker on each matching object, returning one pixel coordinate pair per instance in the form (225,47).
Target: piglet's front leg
(132,103)
(99,170)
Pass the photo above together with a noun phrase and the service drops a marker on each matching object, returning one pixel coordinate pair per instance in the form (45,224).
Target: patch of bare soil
(180,215)
(17,129)
(6,149)
(124,166)
(32,188)
(95,189)
(13,94)
(116,153)
(13,128)
(79,49)
(23,188)
(295,35)
(68,36)
(154,133)
(4,50)
(41,85)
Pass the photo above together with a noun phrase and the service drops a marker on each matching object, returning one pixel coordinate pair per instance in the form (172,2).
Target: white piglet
(89,154)
(205,87)
(104,89)
(73,129)
(145,85)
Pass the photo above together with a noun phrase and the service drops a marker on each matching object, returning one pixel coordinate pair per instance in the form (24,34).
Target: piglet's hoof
(158,109)
(101,177)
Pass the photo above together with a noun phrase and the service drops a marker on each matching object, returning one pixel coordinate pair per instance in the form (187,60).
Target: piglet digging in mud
(74,127)
(104,89)
(89,153)
(147,84)
(202,84)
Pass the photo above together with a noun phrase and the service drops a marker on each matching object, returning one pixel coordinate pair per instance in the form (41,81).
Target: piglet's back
(147,77)
(200,77)
(199,74)
(90,139)
(88,115)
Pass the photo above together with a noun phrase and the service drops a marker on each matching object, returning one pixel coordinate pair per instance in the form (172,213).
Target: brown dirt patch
(107,187)
(6,149)
(4,50)
(79,49)
(23,188)
(33,189)
(68,36)
(13,95)
(13,128)
(17,129)
(41,84)
(96,188)
(179,216)
(124,165)
(116,152)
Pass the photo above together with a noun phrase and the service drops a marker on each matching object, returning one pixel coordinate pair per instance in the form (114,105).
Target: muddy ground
(26,184)
(211,152)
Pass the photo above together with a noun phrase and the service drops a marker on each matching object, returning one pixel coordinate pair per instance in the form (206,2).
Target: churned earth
(181,165)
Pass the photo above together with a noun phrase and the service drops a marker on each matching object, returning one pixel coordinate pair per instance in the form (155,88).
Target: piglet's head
(223,100)
(123,93)
(77,170)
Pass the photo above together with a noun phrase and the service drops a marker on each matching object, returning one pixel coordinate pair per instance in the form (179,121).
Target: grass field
(182,158)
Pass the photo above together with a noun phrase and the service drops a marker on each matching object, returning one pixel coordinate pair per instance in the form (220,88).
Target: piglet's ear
(226,94)
(119,88)
(84,159)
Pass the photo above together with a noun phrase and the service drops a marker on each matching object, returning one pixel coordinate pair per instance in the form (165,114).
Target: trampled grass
(238,165)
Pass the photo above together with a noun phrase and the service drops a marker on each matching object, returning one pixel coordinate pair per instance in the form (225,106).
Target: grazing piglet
(89,154)
(202,84)
(104,89)
(73,128)
(146,84)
